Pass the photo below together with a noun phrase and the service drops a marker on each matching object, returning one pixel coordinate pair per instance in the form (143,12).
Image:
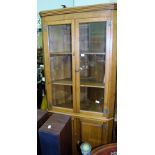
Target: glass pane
(92,69)
(61,65)
(61,68)
(62,96)
(92,99)
(60,38)
(92,37)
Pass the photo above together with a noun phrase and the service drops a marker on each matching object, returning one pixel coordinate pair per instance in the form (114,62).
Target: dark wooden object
(42,116)
(56,140)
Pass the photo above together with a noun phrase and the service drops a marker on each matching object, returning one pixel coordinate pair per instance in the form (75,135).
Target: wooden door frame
(108,62)
(48,75)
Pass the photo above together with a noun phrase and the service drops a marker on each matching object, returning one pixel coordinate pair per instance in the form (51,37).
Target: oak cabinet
(80,68)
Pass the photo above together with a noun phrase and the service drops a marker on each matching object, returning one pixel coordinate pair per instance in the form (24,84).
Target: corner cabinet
(80,68)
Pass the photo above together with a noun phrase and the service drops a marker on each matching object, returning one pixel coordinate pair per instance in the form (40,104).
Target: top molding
(98,7)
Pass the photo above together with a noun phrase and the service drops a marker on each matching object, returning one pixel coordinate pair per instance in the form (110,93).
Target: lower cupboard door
(96,133)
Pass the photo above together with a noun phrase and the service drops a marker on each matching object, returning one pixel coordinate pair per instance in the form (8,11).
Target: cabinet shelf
(86,106)
(59,53)
(93,53)
(66,82)
(91,83)
(83,83)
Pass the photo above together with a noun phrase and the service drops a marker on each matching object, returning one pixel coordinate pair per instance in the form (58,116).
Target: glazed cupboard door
(93,38)
(59,63)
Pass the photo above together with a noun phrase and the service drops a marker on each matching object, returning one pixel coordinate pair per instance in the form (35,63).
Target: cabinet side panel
(113,68)
(110,80)
(110,130)
(47,64)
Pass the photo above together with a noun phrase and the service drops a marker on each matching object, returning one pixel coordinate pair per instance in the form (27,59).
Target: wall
(56,4)
(52,4)
(91,2)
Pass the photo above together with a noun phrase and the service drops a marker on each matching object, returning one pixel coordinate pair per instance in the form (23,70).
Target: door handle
(78,70)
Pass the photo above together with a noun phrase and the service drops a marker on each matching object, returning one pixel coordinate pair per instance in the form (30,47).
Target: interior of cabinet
(92,46)
(92,70)
(60,53)
(61,69)
(62,96)
(92,65)
(92,41)
(59,38)
(61,73)
(91,99)
(92,37)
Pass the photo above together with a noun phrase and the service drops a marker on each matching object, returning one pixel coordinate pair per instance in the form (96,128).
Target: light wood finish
(48,54)
(59,53)
(95,133)
(73,66)
(87,130)
(110,80)
(94,53)
(97,117)
(88,126)
(77,68)
(113,68)
(59,109)
(90,20)
(106,14)
(47,65)
(93,114)
(60,22)
(91,84)
(79,9)
(107,66)
(67,82)
(76,136)
(108,60)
